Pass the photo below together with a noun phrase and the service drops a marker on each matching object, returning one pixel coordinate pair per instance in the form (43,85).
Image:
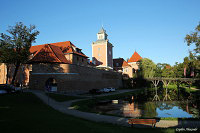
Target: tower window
(99,49)
(109,52)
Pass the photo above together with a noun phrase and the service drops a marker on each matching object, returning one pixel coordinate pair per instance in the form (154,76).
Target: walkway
(64,107)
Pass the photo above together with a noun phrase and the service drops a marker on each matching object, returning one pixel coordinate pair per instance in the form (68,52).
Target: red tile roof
(125,64)
(59,54)
(135,57)
(49,54)
(34,49)
(66,47)
(167,66)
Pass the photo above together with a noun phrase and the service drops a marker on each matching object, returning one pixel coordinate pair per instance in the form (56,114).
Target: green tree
(178,69)
(147,68)
(192,65)
(194,38)
(158,70)
(167,71)
(15,47)
(164,70)
(6,50)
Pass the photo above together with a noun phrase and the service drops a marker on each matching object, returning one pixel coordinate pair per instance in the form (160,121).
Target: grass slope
(61,97)
(25,113)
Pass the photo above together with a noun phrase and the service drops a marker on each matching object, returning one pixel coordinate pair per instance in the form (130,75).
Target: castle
(102,56)
(64,67)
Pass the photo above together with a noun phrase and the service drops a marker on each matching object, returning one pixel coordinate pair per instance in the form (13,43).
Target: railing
(173,79)
(166,81)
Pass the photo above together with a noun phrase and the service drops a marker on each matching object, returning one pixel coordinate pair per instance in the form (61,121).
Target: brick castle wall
(73,78)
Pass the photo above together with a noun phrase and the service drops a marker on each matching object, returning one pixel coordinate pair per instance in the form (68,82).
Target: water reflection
(175,112)
(175,109)
(131,110)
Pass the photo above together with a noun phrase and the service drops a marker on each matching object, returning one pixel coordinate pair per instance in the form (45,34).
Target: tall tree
(147,68)
(6,56)
(191,66)
(15,47)
(194,38)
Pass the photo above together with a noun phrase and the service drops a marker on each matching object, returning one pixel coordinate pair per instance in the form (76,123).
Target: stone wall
(73,78)
(3,73)
(22,76)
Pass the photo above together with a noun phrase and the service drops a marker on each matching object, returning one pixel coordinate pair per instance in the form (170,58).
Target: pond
(142,106)
(174,109)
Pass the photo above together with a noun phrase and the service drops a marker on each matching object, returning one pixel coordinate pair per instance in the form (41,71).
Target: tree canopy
(192,63)
(147,68)
(194,38)
(14,47)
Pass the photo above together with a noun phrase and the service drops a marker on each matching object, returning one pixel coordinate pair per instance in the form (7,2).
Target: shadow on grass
(25,113)
(62,97)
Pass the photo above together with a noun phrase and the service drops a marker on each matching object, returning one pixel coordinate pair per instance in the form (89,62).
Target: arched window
(134,71)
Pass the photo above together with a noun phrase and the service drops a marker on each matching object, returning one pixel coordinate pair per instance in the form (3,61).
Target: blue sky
(154,28)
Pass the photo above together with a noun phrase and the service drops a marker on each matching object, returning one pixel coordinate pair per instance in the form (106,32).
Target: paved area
(65,108)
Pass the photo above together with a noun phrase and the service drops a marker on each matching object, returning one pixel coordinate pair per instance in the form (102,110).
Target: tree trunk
(15,73)
(185,72)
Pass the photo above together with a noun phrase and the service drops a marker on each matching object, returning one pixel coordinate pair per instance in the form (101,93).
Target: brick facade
(73,78)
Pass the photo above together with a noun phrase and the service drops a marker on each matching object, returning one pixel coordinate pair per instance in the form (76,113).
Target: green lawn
(25,113)
(61,97)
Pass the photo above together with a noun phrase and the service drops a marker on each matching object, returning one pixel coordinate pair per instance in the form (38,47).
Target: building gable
(49,54)
(135,57)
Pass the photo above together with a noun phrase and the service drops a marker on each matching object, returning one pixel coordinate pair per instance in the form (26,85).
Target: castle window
(30,67)
(134,70)
(99,49)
